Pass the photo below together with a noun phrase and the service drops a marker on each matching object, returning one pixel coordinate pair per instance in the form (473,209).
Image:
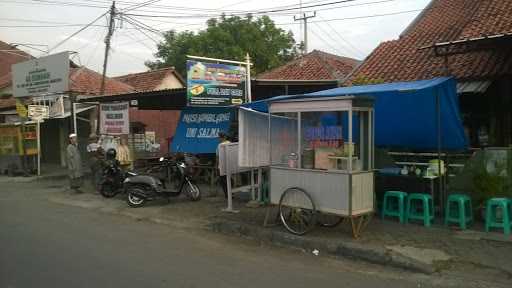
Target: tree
(229,38)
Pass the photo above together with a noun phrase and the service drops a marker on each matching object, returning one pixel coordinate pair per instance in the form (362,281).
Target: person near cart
(96,159)
(74,163)
(223,139)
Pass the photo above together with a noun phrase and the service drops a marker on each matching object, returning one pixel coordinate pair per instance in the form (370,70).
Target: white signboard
(114,118)
(38,112)
(44,75)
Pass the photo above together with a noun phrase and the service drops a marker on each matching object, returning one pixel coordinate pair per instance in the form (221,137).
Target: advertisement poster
(212,84)
(114,119)
(199,127)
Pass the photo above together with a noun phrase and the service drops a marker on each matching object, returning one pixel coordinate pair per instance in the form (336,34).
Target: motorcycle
(174,181)
(113,178)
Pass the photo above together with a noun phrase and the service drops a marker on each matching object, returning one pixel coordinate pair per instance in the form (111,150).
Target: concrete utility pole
(305,19)
(111,26)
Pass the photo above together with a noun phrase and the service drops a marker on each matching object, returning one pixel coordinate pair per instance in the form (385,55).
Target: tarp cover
(405,112)
(198,129)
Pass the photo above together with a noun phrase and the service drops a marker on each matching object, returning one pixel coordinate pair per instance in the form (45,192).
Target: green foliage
(484,183)
(229,38)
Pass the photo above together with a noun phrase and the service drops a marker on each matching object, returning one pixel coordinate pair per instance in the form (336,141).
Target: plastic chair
(423,212)
(491,216)
(397,210)
(458,210)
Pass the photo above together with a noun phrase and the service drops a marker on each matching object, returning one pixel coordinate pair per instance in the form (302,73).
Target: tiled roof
(10,55)
(443,21)
(149,80)
(316,65)
(86,81)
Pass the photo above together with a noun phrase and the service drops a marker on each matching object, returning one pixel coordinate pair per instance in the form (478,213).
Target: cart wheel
(297,211)
(328,220)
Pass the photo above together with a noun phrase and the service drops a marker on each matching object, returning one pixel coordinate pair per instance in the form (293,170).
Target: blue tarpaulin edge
(405,112)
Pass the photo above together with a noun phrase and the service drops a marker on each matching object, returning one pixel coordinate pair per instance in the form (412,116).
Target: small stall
(321,160)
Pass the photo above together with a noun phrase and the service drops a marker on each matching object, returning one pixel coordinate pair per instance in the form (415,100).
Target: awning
(406,113)
(473,86)
(198,129)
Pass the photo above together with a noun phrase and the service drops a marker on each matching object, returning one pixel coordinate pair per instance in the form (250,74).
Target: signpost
(44,75)
(38,113)
(217,84)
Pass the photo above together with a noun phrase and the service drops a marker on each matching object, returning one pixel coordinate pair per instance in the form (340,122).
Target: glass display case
(323,147)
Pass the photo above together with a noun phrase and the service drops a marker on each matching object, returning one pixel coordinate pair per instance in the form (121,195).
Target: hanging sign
(21,109)
(38,112)
(43,75)
(212,84)
(114,118)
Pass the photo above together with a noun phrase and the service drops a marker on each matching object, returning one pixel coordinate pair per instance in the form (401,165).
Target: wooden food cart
(321,160)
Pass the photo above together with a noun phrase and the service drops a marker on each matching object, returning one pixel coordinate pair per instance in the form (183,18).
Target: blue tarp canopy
(406,113)
(198,129)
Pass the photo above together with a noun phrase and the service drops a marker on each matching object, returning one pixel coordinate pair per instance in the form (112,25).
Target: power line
(357,17)
(354,48)
(248,12)
(80,30)
(326,42)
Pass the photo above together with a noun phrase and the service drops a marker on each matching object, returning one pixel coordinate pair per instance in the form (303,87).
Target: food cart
(321,160)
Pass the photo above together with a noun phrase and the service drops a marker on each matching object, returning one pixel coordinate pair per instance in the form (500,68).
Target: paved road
(44,244)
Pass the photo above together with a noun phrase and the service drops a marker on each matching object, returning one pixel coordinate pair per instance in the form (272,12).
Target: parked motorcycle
(174,181)
(113,178)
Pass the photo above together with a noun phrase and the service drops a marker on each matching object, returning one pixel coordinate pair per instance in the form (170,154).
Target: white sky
(347,37)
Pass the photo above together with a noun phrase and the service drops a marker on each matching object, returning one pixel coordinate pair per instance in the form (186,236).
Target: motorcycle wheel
(108,190)
(132,198)
(192,191)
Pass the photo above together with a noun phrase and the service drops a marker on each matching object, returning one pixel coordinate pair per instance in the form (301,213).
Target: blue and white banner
(199,127)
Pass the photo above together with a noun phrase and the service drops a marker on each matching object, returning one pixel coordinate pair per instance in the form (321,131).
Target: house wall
(162,122)
(169,82)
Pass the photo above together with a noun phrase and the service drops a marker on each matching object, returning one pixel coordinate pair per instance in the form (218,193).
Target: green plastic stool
(458,210)
(388,210)
(491,221)
(426,213)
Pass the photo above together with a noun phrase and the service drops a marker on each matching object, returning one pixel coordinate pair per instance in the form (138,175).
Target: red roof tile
(443,21)
(86,81)
(149,80)
(10,55)
(316,65)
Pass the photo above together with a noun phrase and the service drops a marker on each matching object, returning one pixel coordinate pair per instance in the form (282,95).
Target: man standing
(223,139)
(96,157)
(74,163)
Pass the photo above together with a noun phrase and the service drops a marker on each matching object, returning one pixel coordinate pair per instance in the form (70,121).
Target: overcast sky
(368,24)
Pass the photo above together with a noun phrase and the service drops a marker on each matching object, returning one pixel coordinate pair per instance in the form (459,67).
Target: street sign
(43,75)
(38,112)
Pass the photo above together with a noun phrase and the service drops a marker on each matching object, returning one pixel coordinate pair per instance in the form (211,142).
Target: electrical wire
(357,17)
(357,51)
(80,30)
(336,51)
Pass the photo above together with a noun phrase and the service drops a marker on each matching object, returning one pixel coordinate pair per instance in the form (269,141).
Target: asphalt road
(44,244)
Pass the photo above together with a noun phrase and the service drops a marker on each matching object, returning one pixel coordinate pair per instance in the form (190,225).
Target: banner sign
(114,118)
(44,75)
(199,127)
(212,84)
(38,112)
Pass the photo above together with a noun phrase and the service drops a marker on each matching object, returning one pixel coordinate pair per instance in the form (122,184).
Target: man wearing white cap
(74,163)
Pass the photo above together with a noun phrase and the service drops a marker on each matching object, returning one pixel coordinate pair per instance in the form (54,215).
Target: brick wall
(163,122)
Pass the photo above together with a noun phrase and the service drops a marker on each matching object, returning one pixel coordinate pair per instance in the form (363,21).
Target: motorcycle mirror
(161,159)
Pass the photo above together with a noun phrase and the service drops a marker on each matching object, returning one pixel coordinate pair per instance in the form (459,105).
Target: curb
(351,250)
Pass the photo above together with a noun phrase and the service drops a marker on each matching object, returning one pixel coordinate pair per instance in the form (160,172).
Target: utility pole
(305,19)
(111,26)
